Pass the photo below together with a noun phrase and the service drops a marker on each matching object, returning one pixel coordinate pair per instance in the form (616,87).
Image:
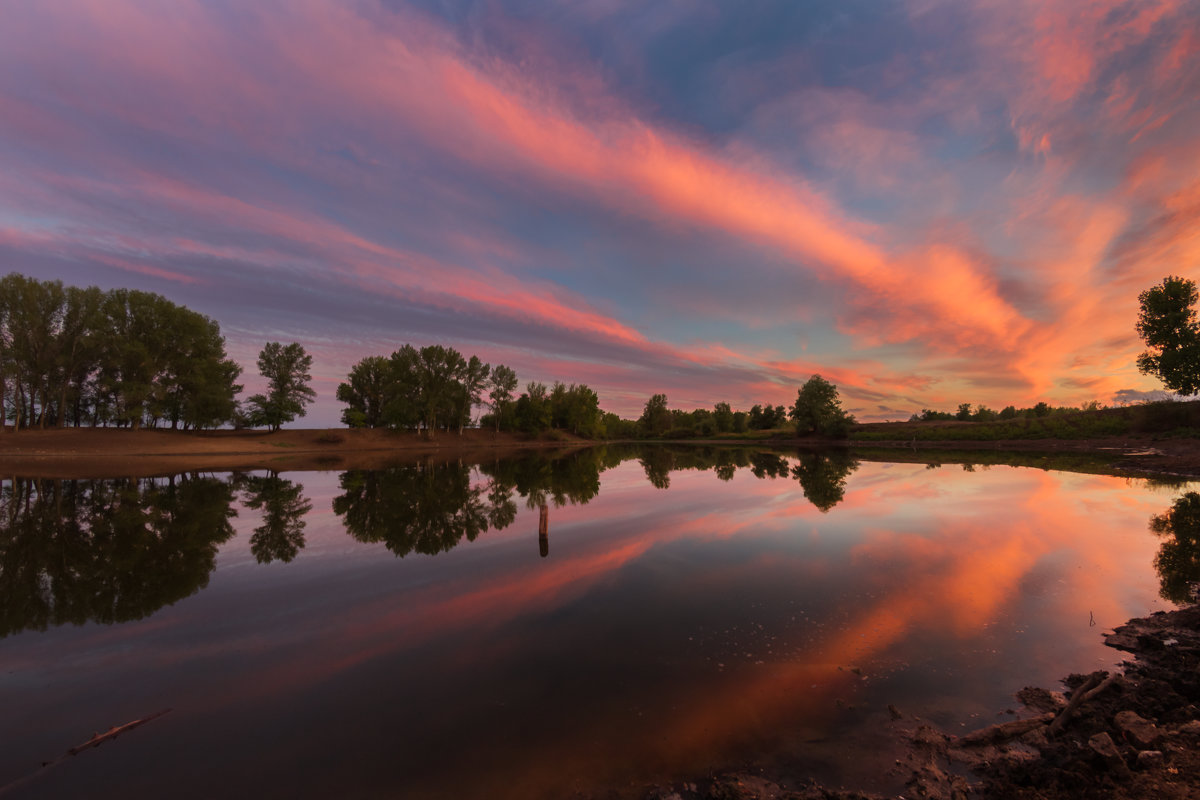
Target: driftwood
(96,740)
(112,733)
(1004,731)
(1094,681)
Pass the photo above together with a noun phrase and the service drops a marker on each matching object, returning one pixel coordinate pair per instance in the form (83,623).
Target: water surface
(539,627)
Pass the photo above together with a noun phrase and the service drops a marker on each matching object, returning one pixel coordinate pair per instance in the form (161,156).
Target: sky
(928,203)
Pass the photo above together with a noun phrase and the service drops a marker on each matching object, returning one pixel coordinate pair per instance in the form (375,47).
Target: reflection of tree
(1178,560)
(768,465)
(658,462)
(572,478)
(424,508)
(823,476)
(106,551)
(281,536)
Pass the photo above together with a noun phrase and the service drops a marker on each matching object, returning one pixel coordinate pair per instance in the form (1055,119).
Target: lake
(586,622)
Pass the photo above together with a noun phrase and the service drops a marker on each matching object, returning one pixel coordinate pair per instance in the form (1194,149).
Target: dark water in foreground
(410,633)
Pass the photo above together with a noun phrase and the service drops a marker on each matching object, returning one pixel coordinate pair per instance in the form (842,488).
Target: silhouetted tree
(286,369)
(1167,323)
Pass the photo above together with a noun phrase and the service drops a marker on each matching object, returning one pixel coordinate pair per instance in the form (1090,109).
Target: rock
(1103,746)
(1191,728)
(1150,759)
(1139,732)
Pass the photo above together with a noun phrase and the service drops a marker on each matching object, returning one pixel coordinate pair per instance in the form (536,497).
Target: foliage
(502,385)
(1178,559)
(1167,323)
(83,356)
(818,410)
(655,419)
(286,368)
(365,391)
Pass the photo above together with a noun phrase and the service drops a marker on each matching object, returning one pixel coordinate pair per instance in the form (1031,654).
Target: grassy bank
(1162,420)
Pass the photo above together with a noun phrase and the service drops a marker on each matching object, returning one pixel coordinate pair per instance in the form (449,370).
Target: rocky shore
(1133,734)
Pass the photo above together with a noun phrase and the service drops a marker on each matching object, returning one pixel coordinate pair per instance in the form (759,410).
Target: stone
(1150,759)
(1140,732)
(1103,746)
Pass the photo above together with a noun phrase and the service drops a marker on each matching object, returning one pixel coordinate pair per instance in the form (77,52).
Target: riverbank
(1133,734)
(104,452)
(101,452)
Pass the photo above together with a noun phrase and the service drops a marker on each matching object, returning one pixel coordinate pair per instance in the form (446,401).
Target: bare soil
(104,452)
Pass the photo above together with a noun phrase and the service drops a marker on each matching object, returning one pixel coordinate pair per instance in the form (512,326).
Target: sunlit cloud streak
(965,213)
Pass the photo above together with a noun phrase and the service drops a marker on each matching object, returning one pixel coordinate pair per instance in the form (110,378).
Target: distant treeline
(981,413)
(122,357)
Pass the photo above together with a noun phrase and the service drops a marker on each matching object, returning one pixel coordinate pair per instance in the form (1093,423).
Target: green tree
(533,413)
(365,392)
(964,412)
(723,417)
(1167,323)
(501,387)
(286,368)
(818,410)
(655,419)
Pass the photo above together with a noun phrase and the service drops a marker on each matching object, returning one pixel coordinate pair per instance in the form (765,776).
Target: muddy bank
(1132,734)
(104,452)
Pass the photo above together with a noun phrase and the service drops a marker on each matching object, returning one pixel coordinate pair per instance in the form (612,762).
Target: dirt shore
(104,452)
(99,452)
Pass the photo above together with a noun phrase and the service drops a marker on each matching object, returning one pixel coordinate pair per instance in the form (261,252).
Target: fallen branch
(112,733)
(1077,697)
(1003,731)
(96,740)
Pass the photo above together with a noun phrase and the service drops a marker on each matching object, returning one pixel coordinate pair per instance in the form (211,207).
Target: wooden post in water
(544,531)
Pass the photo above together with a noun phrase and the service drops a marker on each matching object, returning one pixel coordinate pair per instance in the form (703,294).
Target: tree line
(127,358)
(437,388)
(817,411)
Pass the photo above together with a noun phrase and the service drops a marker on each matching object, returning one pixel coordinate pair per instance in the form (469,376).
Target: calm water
(410,633)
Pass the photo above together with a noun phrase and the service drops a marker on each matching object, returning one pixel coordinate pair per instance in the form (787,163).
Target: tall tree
(502,385)
(655,419)
(1167,323)
(440,370)
(818,410)
(365,392)
(286,368)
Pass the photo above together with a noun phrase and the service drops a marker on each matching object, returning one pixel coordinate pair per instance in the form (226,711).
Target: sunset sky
(928,203)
